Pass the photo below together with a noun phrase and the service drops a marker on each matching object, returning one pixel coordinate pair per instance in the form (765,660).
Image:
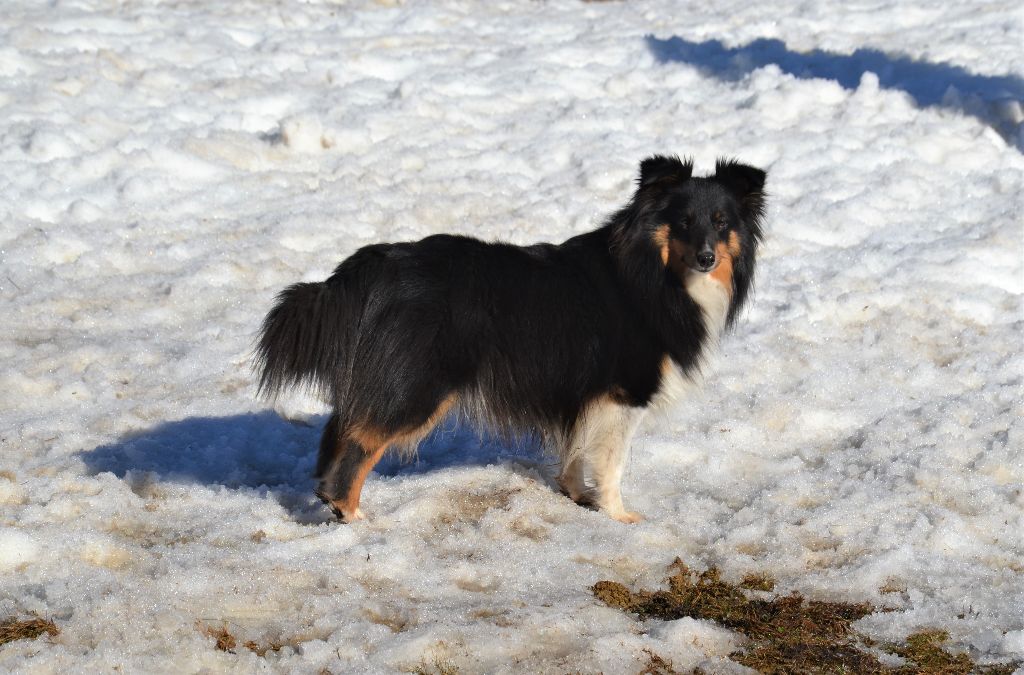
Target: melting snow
(166,168)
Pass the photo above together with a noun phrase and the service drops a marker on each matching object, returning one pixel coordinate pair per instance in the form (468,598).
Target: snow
(16,548)
(167,168)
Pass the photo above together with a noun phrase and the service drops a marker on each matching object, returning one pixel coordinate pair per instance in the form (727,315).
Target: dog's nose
(706,259)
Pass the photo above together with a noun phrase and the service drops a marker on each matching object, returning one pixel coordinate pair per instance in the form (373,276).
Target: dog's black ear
(660,168)
(741,179)
(746,182)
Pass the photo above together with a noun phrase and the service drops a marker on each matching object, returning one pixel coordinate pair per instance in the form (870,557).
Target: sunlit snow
(167,167)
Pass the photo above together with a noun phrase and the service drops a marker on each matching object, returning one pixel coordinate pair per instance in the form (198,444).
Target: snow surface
(166,168)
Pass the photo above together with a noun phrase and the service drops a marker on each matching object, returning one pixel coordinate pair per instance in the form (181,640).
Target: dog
(572,342)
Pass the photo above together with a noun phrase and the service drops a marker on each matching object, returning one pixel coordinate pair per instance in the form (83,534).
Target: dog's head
(695,225)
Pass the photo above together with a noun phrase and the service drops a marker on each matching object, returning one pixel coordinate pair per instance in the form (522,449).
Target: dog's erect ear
(742,180)
(746,182)
(660,168)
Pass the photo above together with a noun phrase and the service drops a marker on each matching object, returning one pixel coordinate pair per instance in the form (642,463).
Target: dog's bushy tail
(302,342)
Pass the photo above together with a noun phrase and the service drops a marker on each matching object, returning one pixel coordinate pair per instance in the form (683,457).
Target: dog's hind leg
(342,467)
(357,450)
(336,464)
(604,433)
(353,461)
(329,446)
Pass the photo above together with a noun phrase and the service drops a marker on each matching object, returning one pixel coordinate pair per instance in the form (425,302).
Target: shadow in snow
(266,453)
(995,100)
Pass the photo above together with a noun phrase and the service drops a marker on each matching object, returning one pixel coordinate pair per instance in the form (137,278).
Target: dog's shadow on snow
(264,453)
(996,100)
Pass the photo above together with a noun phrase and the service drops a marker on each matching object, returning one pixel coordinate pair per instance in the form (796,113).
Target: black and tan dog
(573,342)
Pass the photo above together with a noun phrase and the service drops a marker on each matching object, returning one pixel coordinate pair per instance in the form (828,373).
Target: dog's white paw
(352,517)
(628,517)
(340,512)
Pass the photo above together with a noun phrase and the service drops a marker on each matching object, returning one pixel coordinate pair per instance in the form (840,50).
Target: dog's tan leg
(360,456)
(605,433)
(358,450)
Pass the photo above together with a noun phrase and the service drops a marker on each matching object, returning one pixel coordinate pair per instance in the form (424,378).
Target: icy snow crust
(166,168)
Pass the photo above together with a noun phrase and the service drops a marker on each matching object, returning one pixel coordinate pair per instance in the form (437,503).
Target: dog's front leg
(605,433)
(571,480)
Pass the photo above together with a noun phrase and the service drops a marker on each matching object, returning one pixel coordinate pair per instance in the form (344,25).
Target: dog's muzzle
(705,260)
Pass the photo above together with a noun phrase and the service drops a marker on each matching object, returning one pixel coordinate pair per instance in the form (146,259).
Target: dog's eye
(719,221)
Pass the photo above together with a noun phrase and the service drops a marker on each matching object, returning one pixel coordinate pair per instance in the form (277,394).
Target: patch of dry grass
(436,662)
(396,618)
(924,649)
(226,642)
(788,634)
(758,582)
(261,648)
(469,507)
(12,629)
(436,667)
(925,654)
(892,586)
(499,617)
(656,665)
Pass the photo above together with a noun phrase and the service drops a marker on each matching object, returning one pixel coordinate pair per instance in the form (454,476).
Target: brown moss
(999,668)
(614,594)
(788,633)
(758,582)
(12,629)
(925,650)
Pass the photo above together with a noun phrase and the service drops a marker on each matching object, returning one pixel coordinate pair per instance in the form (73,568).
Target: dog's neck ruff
(713,298)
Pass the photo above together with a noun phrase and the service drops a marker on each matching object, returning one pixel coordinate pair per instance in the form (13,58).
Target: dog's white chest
(713,300)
